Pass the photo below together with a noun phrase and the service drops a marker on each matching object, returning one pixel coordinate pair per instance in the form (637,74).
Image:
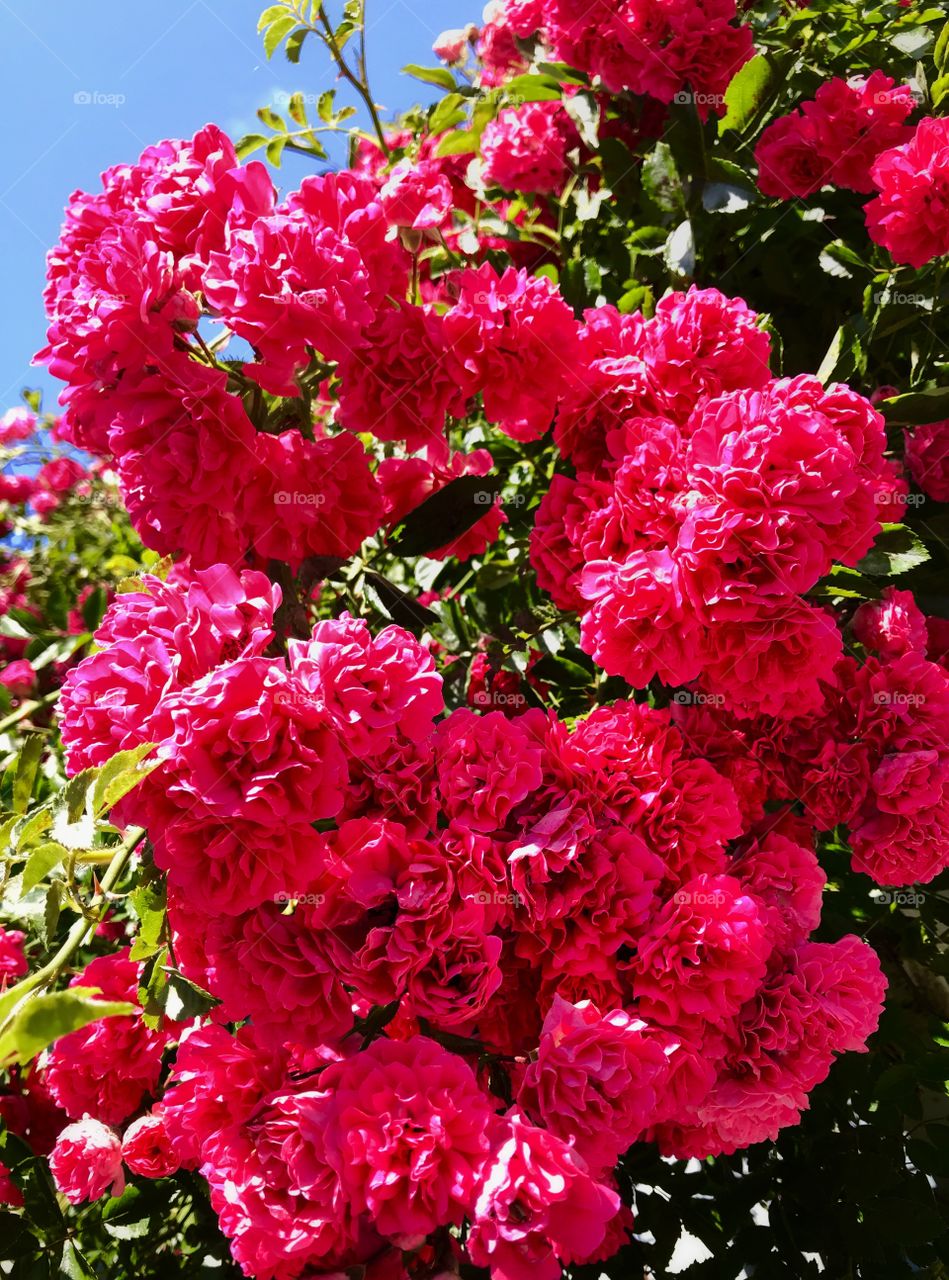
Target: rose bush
(477,671)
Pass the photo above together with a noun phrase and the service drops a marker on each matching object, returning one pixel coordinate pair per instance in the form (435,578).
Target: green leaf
(275,150)
(185,999)
(844,357)
(250,143)
(661,181)
(73,1264)
(457,143)
(917,407)
(269,15)
(27,763)
(43,1019)
(449,112)
(120,775)
(941,50)
(51,912)
(41,862)
(897,550)
(296,109)
(324,105)
(16,1240)
(531,88)
(915,43)
(745,94)
(276,31)
(446,515)
(295,44)
(438,76)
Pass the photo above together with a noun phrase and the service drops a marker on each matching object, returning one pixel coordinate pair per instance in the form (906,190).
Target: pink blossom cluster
(835,138)
(630,45)
(319,286)
(854,134)
(708,499)
(872,757)
(462,961)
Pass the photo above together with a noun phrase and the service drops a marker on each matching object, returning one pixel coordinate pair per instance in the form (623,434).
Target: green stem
(12,999)
(357,83)
(26,710)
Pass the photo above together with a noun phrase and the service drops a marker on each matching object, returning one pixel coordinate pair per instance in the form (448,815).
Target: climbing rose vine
(497,765)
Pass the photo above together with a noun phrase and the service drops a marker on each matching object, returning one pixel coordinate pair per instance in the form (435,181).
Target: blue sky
(91,83)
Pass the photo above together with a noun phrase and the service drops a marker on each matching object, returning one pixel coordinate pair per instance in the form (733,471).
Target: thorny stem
(358,82)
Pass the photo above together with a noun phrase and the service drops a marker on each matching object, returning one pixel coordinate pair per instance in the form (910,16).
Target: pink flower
(526,148)
(185,452)
(370,688)
(16,425)
(311,498)
(596,1081)
(248,741)
(19,677)
(416,195)
(909,214)
(13,962)
(146,1147)
(703,955)
(450,45)
(488,765)
(773,662)
(405,383)
(108,1066)
(638,624)
(892,625)
(927,459)
(789,162)
(87,1161)
(536,1203)
(154,642)
(408,1135)
(516,338)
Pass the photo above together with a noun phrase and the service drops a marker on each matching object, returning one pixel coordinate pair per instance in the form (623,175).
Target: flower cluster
(835,138)
(654,50)
(708,499)
(318,285)
(471,958)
